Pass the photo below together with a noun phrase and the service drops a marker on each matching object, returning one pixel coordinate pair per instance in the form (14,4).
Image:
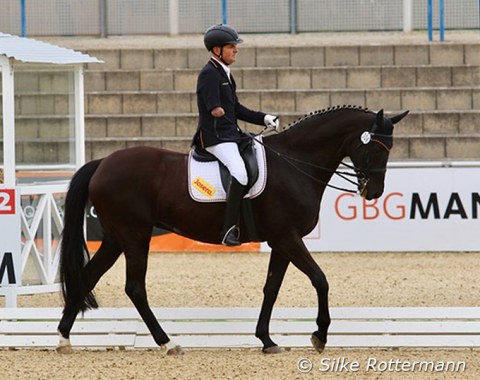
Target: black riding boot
(230,232)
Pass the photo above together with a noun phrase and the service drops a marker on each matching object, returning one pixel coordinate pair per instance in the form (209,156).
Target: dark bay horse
(135,189)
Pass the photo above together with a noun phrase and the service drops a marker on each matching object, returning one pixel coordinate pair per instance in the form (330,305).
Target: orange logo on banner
(204,187)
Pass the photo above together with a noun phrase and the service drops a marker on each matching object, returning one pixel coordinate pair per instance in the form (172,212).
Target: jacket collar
(217,63)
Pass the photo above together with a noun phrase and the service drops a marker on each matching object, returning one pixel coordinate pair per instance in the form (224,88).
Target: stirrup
(231,237)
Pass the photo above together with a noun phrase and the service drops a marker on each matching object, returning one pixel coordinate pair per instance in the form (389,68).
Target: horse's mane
(315,115)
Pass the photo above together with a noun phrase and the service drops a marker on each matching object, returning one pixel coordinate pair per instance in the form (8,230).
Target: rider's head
(222,41)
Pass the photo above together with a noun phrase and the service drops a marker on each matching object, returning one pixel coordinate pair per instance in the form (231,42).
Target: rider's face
(229,53)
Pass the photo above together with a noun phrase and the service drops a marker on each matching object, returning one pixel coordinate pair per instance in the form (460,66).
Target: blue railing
(130,17)
(23,21)
(441,13)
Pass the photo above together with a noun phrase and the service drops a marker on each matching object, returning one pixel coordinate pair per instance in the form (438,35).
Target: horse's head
(370,154)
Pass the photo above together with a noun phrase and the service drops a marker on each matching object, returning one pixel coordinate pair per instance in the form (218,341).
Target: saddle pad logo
(204,187)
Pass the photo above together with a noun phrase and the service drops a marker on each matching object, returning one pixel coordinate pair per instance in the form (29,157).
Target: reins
(292,161)
(359,174)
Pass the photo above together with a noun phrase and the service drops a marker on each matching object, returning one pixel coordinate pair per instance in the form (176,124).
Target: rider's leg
(229,155)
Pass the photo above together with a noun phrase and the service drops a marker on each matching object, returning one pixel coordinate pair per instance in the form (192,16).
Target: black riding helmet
(220,35)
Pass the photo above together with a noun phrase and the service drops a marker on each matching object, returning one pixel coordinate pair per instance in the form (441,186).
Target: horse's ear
(380,121)
(395,119)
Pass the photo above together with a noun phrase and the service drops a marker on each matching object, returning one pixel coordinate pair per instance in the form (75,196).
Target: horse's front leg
(276,272)
(303,260)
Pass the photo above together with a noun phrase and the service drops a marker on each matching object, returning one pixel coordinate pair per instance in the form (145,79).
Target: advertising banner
(10,241)
(425,207)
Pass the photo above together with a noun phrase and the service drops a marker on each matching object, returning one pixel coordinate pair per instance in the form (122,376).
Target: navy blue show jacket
(215,90)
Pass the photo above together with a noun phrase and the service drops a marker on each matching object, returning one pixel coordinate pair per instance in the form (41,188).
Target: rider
(219,109)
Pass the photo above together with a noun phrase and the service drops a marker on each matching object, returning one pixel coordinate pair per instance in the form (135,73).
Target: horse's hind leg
(102,261)
(136,259)
(276,272)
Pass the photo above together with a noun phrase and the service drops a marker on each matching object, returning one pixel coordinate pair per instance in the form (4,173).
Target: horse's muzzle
(363,187)
(370,193)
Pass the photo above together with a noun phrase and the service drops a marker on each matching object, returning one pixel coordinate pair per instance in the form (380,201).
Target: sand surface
(356,279)
(223,279)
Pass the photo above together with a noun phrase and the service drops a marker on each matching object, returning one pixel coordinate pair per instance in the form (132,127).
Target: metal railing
(158,17)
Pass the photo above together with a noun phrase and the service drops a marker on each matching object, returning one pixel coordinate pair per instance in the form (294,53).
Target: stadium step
(448,122)
(287,78)
(406,147)
(274,101)
(312,55)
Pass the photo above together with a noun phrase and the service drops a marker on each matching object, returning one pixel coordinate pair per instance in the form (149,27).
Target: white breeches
(229,155)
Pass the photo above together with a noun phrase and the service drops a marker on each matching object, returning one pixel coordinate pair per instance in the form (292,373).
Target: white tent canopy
(32,51)
(16,51)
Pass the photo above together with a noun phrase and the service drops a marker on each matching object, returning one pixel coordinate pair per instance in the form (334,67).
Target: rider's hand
(271,121)
(217,112)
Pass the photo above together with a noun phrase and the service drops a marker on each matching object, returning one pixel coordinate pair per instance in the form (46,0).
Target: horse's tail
(73,250)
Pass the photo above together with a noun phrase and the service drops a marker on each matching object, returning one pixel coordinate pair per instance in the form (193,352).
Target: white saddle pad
(205,184)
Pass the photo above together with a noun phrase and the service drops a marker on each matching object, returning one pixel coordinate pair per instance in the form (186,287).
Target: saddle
(249,158)
(209,179)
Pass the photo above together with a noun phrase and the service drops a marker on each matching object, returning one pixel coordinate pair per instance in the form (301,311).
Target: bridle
(361,173)
(364,171)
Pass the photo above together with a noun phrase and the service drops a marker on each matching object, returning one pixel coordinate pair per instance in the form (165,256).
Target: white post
(11,296)
(47,239)
(80,124)
(79,118)
(173,16)
(10,246)
(8,107)
(407,16)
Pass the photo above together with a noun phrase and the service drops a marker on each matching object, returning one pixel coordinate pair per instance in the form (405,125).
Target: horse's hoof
(65,350)
(272,350)
(177,350)
(317,343)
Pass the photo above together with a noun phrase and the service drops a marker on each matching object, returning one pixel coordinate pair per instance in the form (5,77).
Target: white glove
(271,121)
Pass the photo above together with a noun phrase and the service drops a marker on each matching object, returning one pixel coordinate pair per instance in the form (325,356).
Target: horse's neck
(317,145)
(320,141)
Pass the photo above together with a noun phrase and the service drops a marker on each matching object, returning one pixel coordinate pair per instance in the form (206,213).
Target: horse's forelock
(387,128)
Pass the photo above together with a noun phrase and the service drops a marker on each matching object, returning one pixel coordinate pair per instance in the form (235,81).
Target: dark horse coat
(135,189)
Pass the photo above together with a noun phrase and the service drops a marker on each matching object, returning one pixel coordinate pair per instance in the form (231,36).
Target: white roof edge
(29,50)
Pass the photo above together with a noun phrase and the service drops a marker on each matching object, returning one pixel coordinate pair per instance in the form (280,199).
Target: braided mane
(315,114)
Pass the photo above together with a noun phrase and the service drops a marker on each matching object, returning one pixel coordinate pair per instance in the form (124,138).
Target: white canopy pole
(79,118)
(8,123)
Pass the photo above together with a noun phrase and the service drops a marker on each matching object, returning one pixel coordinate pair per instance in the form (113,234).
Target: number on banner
(7,201)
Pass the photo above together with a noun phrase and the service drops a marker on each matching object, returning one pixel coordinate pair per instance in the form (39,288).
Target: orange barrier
(175,243)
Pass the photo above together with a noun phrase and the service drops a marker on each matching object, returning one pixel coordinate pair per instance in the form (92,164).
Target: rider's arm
(246,114)
(208,89)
